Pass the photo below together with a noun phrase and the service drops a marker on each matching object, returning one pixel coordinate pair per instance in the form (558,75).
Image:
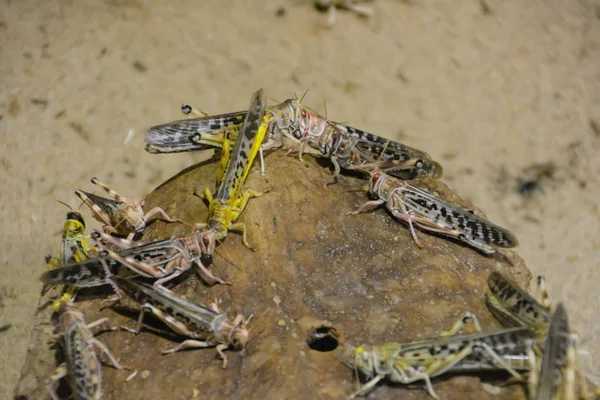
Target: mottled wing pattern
(392,157)
(555,355)
(510,341)
(191,314)
(90,273)
(111,207)
(454,218)
(190,134)
(514,305)
(244,150)
(84,368)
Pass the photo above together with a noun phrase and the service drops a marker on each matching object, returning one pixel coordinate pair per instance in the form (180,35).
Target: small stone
(281,322)
(273,285)
(145,374)
(276,299)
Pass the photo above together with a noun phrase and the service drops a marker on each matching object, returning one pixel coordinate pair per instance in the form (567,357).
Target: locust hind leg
(542,294)
(99,213)
(367,387)
(368,205)
(102,347)
(158,210)
(112,193)
(468,318)
(58,374)
(192,112)
(441,366)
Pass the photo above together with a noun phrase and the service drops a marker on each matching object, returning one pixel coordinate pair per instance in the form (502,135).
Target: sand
(487,90)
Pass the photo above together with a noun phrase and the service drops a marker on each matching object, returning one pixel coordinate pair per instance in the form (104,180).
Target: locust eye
(419,164)
(103,253)
(95,235)
(375,176)
(206,240)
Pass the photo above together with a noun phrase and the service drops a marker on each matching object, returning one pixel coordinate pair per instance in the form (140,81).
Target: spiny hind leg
(98,212)
(192,112)
(58,374)
(116,196)
(467,318)
(368,205)
(542,294)
(158,210)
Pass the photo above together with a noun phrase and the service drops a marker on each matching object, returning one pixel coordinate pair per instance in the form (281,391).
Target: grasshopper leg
(102,347)
(458,325)
(58,374)
(368,205)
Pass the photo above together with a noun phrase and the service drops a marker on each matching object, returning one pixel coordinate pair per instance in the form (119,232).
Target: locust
(417,207)
(162,260)
(82,366)
(165,259)
(513,306)
(352,148)
(119,215)
(507,349)
(305,130)
(554,362)
(206,326)
(229,199)
(74,246)
(554,341)
(207,132)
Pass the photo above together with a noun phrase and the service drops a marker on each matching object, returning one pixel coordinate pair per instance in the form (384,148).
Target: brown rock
(361,274)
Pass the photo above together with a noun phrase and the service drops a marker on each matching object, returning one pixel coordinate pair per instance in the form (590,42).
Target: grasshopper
(351,148)
(82,367)
(505,349)
(414,206)
(347,147)
(513,306)
(74,246)
(229,200)
(163,260)
(119,215)
(207,132)
(554,362)
(207,326)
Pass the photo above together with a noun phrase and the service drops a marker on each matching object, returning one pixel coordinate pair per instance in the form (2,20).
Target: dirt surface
(489,88)
(313,265)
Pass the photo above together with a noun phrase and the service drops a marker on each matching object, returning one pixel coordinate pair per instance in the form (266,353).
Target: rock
(362,275)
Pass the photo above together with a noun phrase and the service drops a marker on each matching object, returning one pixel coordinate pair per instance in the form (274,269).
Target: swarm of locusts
(537,346)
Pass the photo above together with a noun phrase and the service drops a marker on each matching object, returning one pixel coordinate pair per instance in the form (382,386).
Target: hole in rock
(323,338)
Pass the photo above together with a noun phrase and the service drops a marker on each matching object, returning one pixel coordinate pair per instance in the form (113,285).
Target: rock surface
(313,265)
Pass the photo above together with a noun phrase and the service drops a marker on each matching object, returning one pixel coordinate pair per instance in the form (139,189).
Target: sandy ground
(487,89)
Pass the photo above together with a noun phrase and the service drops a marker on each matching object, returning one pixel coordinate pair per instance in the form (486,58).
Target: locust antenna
(65,204)
(302,98)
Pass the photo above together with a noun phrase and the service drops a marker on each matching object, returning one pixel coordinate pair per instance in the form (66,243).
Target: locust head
(207,242)
(377,176)
(364,361)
